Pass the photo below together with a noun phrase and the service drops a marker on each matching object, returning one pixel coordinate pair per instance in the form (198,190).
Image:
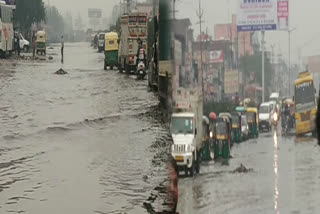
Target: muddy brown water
(90,141)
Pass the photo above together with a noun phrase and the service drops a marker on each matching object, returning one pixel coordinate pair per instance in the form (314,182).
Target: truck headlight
(188,148)
(211,134)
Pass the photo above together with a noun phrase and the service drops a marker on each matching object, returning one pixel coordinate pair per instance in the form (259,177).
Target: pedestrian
(173,186)
(34,44)
(62,46)
(18,45)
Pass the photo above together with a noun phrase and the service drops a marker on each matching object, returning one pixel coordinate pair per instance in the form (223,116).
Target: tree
(116,27)
(29,12)
(55,24)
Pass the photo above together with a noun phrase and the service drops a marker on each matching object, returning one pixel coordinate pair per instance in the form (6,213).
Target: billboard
(94,13)
(216,56)
(283,14)
(257,15)
(231,82)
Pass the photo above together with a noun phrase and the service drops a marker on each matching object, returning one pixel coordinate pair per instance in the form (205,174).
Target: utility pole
(289,69)
(200,15)
(263,87)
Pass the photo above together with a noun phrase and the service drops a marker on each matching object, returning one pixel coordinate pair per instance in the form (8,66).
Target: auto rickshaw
(236,127)
(253,122)
(41,42)
(222,145)
(212,132)
(205,139)
(111,50)
(241,109)
(228,115)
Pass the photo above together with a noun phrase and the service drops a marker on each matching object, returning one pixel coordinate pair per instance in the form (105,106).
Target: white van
(101,38)
(265,113)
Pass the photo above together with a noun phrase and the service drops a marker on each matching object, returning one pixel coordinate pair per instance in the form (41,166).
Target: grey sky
(304,15)
(75,6)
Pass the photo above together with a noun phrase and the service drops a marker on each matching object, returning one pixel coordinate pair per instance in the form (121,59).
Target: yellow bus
(305,104)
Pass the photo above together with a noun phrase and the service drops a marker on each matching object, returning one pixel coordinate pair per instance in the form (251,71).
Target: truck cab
(184,134)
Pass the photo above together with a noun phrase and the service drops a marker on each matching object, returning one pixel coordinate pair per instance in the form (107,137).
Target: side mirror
(195,131)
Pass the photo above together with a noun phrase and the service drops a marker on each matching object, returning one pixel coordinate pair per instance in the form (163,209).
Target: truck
(186,130)
(6,29)
(133,25)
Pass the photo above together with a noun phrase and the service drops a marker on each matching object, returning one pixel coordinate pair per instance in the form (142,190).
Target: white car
(24,44)
(101,42)
(265,113)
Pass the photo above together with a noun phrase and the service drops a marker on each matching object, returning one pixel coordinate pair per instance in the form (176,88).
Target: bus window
(305,97)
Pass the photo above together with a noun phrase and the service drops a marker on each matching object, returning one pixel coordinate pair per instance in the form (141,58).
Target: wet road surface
(86,142)
(285,179)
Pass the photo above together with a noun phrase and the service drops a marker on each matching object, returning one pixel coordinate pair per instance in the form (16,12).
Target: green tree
(116,27)
(29,12)
(253,64)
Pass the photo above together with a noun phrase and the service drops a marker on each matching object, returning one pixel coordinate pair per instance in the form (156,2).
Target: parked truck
(186,130)
(133,26)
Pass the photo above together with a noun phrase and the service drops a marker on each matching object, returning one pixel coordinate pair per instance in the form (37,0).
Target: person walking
(62,46)
(18,45)
(34,44)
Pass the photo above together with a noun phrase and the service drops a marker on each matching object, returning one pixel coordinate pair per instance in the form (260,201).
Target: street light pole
(262,43)
(289,69)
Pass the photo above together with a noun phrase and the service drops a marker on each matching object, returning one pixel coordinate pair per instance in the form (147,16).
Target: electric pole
(289,69)
(200,13)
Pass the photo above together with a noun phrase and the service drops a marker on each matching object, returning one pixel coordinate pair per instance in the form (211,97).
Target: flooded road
(285,179)
(87,142)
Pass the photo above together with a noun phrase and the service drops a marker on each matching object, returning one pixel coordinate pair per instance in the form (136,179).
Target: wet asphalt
(90,141)
(285,179)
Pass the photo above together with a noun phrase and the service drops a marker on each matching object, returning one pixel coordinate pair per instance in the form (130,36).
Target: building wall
(229,32)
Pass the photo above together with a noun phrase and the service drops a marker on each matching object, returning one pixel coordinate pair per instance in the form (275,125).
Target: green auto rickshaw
(253,122)
(236,127)
(41,42)
(111,50)
(228,115)
(205,139)
(222,145)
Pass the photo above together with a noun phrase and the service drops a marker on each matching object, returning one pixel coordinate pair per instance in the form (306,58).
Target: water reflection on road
(285,179)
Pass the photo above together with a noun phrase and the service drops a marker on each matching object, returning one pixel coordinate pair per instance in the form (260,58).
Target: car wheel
(26,49)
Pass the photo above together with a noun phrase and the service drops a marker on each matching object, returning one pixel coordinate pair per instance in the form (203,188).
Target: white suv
(24,44)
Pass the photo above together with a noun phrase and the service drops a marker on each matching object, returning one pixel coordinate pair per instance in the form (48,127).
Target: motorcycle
(275,119)
(141,68)
(285,124)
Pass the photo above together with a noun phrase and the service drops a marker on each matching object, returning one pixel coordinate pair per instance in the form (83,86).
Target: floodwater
(285,179)
(90,141)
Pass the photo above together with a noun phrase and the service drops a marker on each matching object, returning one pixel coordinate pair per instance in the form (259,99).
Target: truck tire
(192,169)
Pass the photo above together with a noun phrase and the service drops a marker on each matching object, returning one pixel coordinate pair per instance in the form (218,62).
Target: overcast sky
(75,6)
(304,15)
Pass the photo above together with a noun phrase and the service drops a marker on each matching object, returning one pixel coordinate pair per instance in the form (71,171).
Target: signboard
(283,14)
(257,15)
(231,82)
(94,13)
(216,56)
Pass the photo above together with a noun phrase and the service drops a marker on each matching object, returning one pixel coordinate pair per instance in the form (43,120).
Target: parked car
(24,44)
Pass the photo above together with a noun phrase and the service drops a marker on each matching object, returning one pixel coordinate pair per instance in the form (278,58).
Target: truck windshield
(182,125)
(101,36)
(304,96)
(264,110)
